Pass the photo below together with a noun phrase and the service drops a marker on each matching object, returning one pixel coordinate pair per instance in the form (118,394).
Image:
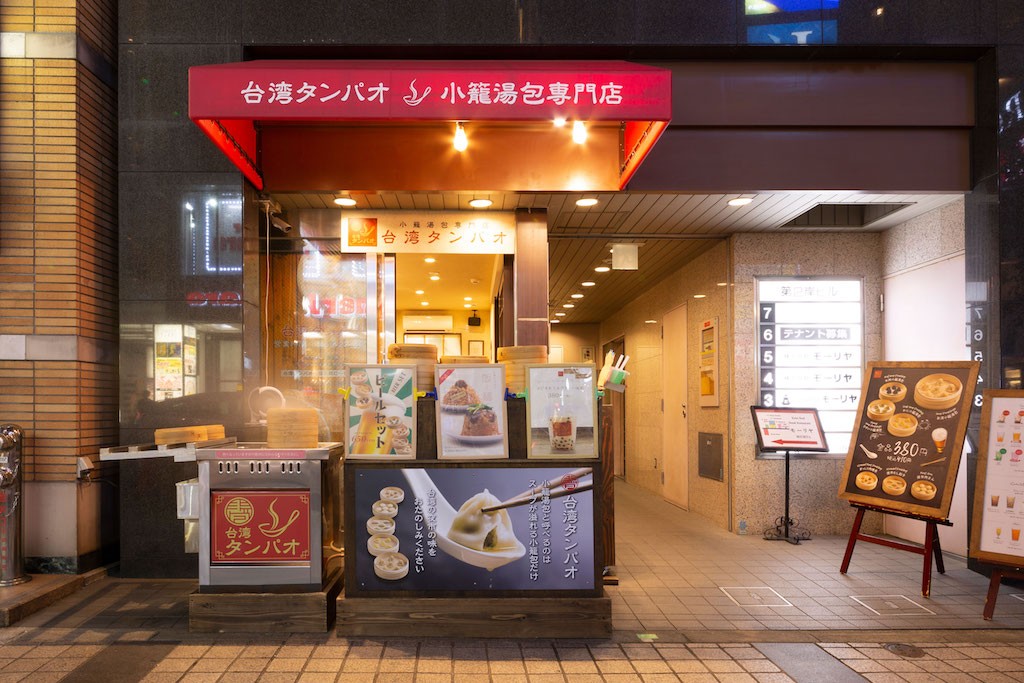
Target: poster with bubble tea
(998,511)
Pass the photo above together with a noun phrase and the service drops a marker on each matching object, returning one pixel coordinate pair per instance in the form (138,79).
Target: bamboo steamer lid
(214,431)
(456,360)
(170,435)
(530,354)
(413,352)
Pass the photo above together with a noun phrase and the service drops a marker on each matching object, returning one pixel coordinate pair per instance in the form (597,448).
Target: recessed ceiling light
(480,203)
(467,305)
(344,200)
(419,291)
(602,269)
(430,259)
(586,201)
(700,296)
(579,132)
(467,298)
(435,277)
(424,303)
(588,283)
(576,296)
(559,121)
(568,305)
(723,284)
(740,201)
(650,322)
(460,142)
(555,320)
(560,314)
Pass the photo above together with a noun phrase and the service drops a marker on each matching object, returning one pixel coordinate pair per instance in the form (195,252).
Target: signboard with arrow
(788,429)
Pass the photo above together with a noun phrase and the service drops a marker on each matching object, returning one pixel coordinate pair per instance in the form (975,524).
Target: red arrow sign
(783,441)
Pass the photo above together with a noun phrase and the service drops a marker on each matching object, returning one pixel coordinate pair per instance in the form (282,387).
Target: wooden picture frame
(380,421)
(472,422)
(908,436)
(561,410)
(995,515)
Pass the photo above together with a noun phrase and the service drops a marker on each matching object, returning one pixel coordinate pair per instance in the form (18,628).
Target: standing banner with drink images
(997,520)
(561,407)
(381,422)
(909,435)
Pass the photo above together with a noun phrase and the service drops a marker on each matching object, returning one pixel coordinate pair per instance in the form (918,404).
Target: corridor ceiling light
(650,322)
(588,283)
(467,305)
(560,314)
(586,201)
(740,201)
(576,296)
(430,259)
(424,303)
(344,200)
(467,298)
(419,291)
(722,284)
(700,296)
(579,132)
(480,203)
(568,305)
(559,122)
(554,320)
(602,269)
(461,142)
(435,277)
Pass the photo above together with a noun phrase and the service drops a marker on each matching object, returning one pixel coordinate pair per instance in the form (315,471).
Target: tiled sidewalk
(786,615)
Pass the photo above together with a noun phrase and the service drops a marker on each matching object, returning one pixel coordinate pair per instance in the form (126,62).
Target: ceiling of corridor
(671,229)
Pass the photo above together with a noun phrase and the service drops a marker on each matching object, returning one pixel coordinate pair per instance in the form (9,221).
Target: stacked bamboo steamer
(292,428)
(423,356)
(465,360)
(515,359)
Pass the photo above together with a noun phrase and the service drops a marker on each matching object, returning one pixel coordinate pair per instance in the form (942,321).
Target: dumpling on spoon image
(482,539)
(479,530)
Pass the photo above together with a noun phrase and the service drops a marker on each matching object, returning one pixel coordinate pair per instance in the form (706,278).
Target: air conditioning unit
(431,323)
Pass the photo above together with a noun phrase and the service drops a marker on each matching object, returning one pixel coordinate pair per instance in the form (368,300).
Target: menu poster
(381,412)
(471,419)
(788,429)
(561,407)
(432,529)
(997,519)
(908,436)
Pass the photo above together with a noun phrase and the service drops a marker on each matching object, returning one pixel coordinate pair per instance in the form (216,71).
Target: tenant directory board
(810,349)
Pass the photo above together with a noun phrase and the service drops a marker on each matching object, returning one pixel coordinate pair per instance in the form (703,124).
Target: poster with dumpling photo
(446,528)
(471,420)
(381,412)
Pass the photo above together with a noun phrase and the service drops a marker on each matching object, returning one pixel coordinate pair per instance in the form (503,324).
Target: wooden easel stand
(931,544)
(998,574)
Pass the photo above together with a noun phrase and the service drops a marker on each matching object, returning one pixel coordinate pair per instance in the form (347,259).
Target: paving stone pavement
(694,603)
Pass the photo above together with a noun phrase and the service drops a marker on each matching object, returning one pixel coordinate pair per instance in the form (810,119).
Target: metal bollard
(12,556)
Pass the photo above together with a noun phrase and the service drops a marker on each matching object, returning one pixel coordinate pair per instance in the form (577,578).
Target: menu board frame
(887,454)
(761,414)
(989,446)
(579,396)
(378,380)
(504,479)
(486,383)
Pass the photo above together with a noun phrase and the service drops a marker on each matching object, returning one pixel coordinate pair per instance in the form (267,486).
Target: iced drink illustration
(995,501)
(562,431)
(1015,533)
(1010,501)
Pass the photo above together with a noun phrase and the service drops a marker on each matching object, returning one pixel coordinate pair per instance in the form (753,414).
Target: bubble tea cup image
(562,432)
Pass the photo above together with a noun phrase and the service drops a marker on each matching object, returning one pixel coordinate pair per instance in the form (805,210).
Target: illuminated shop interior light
(480,203)
(419,291)
(588,283)
(700,296)
(576,296)
(461,142)
(555,320)
(602,269)
(568,305)
(560,314)
(435,277)
(650,322)
(430,259)
(586,201)
(579,132)
(467,298)
(424,303)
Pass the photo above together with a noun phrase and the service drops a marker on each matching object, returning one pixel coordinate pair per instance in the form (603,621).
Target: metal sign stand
(786,528)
